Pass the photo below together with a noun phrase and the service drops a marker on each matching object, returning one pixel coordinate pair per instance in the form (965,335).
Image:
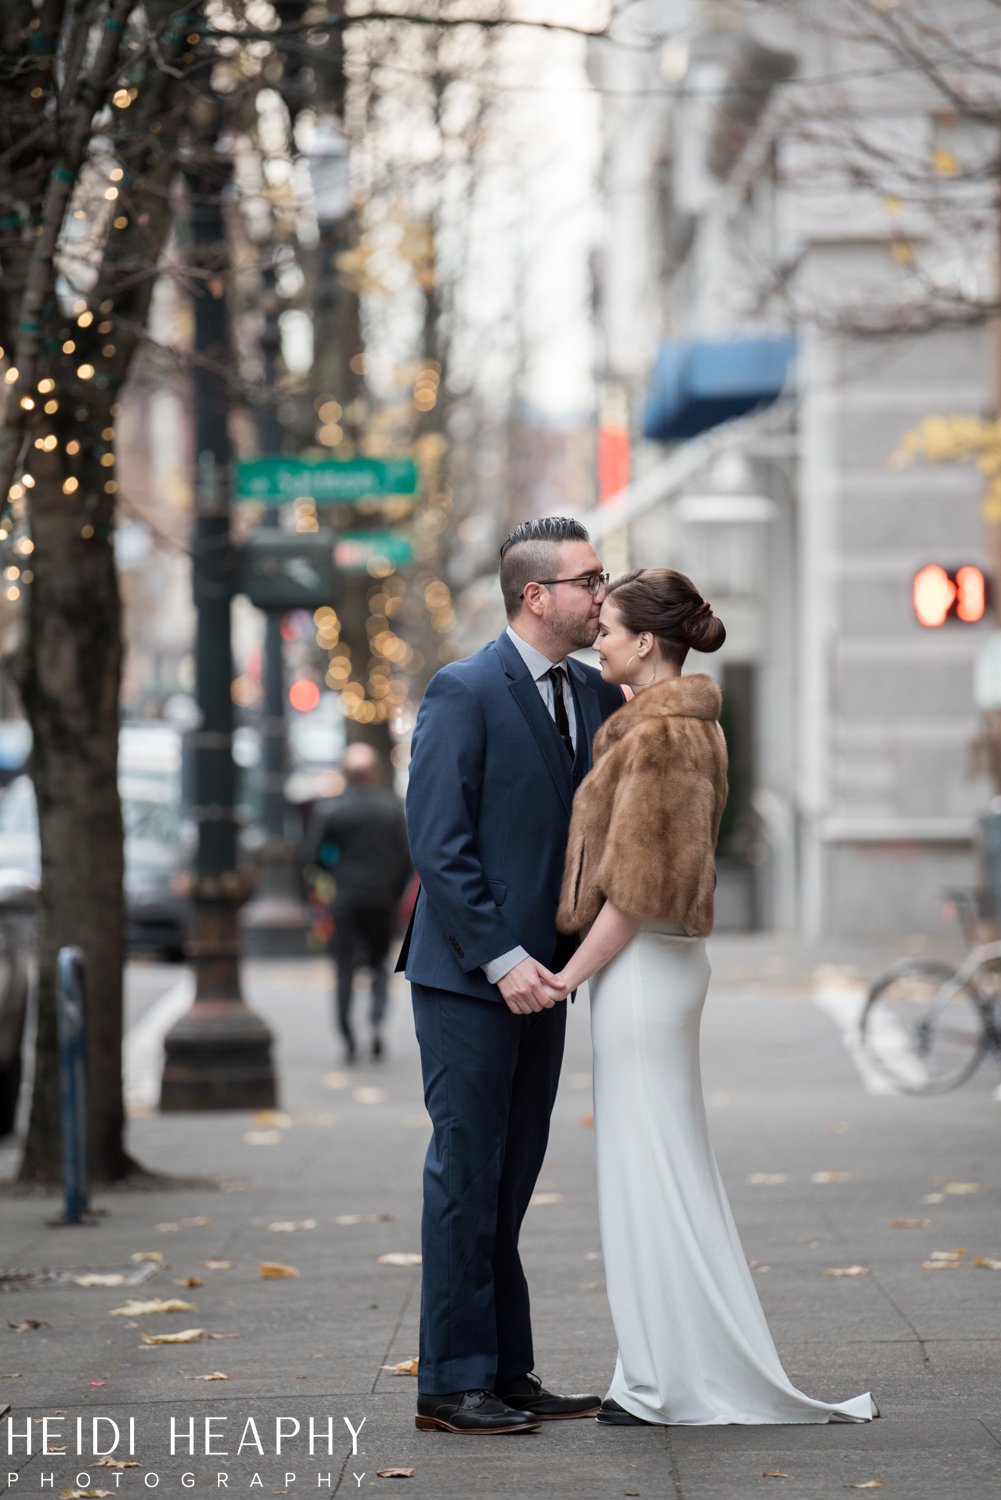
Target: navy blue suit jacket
(488,812)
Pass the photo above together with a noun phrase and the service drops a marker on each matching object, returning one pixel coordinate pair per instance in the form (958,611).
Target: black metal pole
(218,1055)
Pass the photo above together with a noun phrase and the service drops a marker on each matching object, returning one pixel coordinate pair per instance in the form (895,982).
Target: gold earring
(630,681)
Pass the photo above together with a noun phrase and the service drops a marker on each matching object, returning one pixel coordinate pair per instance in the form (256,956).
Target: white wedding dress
(694,1347)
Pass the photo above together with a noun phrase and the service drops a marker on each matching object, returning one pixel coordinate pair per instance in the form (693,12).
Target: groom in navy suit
(502,740)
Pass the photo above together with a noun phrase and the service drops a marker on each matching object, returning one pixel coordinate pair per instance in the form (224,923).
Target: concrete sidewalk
(818,1172)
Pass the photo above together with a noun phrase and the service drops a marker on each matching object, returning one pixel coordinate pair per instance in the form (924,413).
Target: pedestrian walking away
(360,839)
(501,741)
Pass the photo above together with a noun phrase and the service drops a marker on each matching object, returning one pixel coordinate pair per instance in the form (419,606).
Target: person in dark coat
(361,840)
(501,742)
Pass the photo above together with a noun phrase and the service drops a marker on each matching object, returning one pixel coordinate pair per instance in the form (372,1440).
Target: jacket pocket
(498,889)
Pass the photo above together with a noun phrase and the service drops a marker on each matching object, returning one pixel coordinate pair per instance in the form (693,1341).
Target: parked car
(158,849)
(18,899)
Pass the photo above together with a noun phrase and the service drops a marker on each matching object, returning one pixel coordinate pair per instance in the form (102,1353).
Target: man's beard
(577,633)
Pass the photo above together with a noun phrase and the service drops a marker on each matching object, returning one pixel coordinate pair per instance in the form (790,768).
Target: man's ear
(532,597)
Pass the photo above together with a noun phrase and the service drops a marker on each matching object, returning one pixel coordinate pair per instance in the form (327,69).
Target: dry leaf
(868,1484)
(188,1281)
(364,1219)
(405,1367)
(117,1463)
(774,1474)
(933,1198)
(167,1228)
(939,1265)
(262,1137)
(224,1335)
(956,1189)
(274,1117)
(847,1271)
(273,1270)
(153,1255)
(217,1265)
(216,1375)
(98,1278)
(394,1473)
(196,1223)
(289,1226)
(831,1176)
(767,1179)
(73,1494)
(909,1223)
(134,1309)
(28,1325)
(400,1258)
(542,1200)
(947,1255)
(188,1336)
(986,1263)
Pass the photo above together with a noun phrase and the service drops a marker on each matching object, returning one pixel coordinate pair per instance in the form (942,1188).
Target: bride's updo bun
(670,607)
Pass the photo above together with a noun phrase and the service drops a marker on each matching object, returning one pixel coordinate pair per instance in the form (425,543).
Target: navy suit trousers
(490,1079)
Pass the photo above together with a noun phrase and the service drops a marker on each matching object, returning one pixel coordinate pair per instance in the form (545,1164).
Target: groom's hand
(524,988)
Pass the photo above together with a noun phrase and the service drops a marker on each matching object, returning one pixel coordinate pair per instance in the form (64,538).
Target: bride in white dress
(694,1347)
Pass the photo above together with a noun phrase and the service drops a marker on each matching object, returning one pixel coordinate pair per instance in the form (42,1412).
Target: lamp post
(218,1055)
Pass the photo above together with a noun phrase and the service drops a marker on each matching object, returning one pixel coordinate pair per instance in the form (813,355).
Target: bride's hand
(559,989)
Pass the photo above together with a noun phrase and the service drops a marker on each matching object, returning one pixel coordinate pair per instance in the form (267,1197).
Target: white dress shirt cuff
(498,967)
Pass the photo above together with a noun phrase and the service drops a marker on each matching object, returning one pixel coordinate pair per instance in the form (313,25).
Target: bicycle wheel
(925,1035)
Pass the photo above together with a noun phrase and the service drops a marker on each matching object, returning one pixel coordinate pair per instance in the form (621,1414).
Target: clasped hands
(530,987)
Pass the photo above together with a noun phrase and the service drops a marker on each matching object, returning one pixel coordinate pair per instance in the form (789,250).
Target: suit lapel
(589,714)
(525,693)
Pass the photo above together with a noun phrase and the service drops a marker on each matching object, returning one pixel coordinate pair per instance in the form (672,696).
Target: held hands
(530,987)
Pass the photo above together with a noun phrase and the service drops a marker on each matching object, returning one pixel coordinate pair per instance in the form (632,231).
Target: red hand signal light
(971,595)
(941,595)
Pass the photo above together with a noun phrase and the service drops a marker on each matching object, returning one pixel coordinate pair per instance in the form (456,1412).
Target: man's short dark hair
(531,552)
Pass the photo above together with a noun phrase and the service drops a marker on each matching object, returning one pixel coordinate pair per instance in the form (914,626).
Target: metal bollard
(72,1055)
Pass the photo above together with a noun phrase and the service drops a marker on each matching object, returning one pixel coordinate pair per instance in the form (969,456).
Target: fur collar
(692,697)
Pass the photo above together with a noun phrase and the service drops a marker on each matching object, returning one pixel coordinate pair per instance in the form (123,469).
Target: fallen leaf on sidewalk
(262,1137)
(220,1336)
(947,1255)
(152,1255)
(868,1484)
(75,1494)
(289,1226)
(274,1117)
(167,1228)
(986,1263)
(364,1219)
(188,1336)
(117,1463)
(369,1096)
(399,1258)
(932,1198)
(767,1179)
(188,1281)
(197,1223)
(10,1375)
(100,1278)
(134,1309)
(28,1325)
(405,1367)
(394,1473)
(774,1474)
(217,1265)
(957,1189)
(542,1200)
(939,1265)
(831,1176)
(216,1375)
(909,1223)
(273,1270)
(847,1271)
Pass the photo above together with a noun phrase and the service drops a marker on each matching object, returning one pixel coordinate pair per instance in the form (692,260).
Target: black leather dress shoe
(471,1412)
(529,1394)
(611,1414)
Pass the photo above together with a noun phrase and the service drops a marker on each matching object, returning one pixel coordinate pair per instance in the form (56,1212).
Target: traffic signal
(942,594)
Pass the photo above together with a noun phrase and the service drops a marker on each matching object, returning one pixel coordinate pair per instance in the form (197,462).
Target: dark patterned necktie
(557,677)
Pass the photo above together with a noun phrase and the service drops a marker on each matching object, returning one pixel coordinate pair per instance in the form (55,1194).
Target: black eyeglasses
(593,582)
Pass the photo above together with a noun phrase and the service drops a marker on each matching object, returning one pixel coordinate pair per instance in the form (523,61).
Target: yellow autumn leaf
(262,1137)
(98,1278)
(399,1258)
(107,1462)
(73,1494)
(216,1375)
(847,1271)
(831,1176)
(363,1219)
(542,1200)
(151,1255)
(939,1265)
(946,163)
(217,1265)
(187,1336)
(289,1226)
(868,1484)
(902,252)
(168,1228)
(986,1263)
(767,1179)
(405,1367)
(960,1189)
(273,1270)
(947,1255)
(891,204)
(197,1223)
(188,1281)
(136,1309)
(275,1118)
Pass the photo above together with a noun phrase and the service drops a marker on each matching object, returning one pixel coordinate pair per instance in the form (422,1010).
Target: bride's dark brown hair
(670,607)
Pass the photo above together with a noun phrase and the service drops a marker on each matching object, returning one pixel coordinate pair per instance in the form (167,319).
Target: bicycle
(928,1025)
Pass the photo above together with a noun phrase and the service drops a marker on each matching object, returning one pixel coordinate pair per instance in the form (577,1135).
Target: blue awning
(702,382)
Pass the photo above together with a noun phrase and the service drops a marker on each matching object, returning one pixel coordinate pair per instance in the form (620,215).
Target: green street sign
(282,570)
(328,481)
(354,551)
